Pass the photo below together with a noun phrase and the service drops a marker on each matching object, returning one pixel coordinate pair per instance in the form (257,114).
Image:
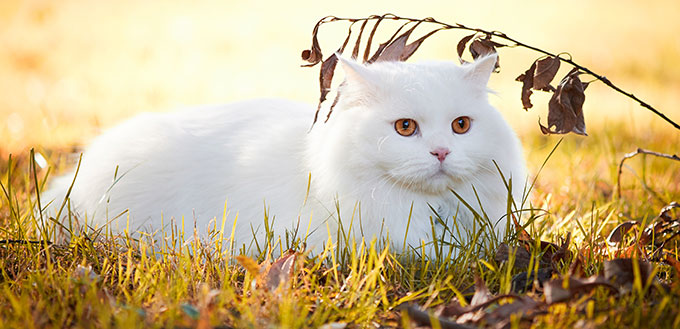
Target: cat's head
(425,126)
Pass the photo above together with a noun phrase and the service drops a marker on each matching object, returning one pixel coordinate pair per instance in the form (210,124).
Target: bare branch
(313,55)
(633,154)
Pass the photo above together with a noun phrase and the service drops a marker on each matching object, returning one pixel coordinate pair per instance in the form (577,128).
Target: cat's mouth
(440,173)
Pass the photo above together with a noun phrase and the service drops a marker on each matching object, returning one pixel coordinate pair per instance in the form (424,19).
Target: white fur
(258,155)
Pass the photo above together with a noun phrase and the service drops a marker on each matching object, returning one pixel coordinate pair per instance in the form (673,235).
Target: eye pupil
(406,127)
(461,125)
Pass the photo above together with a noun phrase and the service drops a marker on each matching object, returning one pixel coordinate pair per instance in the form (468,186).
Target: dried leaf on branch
(565,109)
(546,69)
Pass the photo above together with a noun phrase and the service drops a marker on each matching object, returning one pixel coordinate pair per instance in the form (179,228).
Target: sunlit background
(69,68)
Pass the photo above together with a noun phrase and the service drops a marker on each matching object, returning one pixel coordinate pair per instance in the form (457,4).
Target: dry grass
(72,68)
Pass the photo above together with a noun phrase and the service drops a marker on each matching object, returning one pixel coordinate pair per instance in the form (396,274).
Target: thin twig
(636,152)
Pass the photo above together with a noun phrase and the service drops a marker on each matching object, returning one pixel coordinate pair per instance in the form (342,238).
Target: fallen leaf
(425,318)
(620,271)
(482,294)
(522,234)
(522,281)
(522,256)
(562,253)
(474,311)
(280,271)
(563,289)
(520,307)
(673,262)
(665,211)
(546,69)
(619,231)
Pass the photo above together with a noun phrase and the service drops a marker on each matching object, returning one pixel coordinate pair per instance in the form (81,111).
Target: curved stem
(504,36)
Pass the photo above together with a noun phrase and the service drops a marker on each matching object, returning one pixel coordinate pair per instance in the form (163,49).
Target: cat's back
(187,163)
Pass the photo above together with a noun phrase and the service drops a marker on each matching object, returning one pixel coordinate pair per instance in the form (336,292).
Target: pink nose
(441,153)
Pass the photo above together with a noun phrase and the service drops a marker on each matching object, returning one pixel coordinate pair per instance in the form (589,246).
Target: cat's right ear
(355,73)
(480,70)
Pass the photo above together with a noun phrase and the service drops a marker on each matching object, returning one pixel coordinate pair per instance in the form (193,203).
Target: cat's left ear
(355,73)
(480,71)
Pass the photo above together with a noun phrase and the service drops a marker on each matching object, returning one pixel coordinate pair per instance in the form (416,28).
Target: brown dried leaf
(522,281)
(413,46)
(483,47)
(619,231)
(394,51)
(546,69)
(522,234)
(482,294)
(521,306)
(325,80)
(652,230)
(522,256)
(565,109)
(357,45)
(562,253)
(326,75)
(665,215)
(382,46)
(620,271)
(344,44)
(280,271)
(460,48)
(313,55)
(562,289)
(673,262)
(454,309)
(424,318)
(527,79)
(367,51)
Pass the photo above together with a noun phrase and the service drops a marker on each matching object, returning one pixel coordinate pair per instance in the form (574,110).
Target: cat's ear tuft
(354,71)
(480,71)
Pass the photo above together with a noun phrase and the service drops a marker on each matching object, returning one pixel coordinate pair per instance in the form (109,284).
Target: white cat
(400,138)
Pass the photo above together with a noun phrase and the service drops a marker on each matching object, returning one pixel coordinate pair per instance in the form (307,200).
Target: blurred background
(69,68)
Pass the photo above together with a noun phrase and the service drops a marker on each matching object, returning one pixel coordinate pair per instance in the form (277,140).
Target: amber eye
(406,127)
(461,125)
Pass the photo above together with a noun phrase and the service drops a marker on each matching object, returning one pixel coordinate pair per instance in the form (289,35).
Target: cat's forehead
(432,78)
(435,86)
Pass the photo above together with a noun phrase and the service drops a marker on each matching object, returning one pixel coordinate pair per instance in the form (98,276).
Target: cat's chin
(436,183)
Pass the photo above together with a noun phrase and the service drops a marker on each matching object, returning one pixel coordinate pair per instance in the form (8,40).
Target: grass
(62,82)
(99,280)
